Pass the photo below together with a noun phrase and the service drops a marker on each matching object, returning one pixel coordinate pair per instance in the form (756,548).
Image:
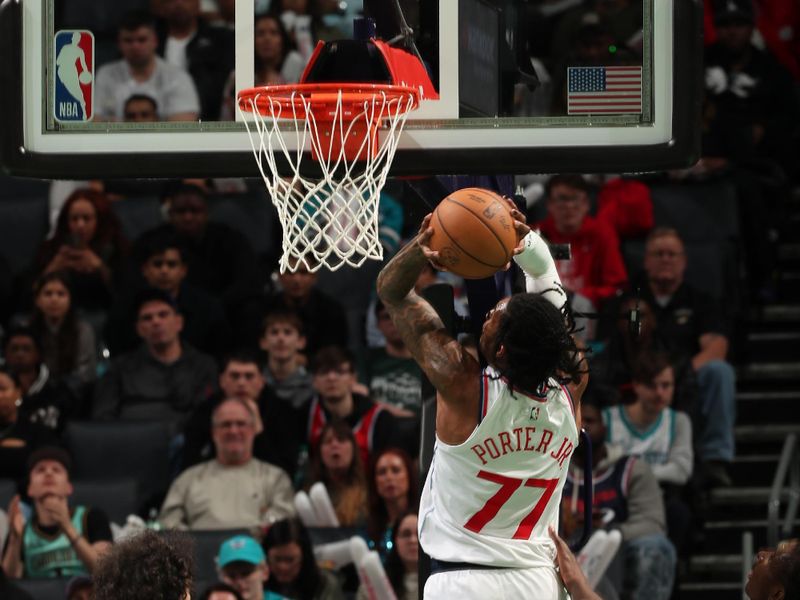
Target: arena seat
(117,499)
(253,215)
(109,450)
(23,227)
(206,547)
(43,589)
(8,487)
(138,214)
(23,187)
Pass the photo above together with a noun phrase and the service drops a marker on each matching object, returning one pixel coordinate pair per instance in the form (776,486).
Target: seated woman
(68,342)
(337,464)
(393,491)
(293,570)
(403,560)
(88,243)
(18,437)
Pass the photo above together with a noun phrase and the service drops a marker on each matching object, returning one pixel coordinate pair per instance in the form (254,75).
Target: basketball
(473,231)
(85,77)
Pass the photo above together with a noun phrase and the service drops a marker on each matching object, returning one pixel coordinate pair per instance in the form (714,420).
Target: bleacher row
(24,214)
(705,214)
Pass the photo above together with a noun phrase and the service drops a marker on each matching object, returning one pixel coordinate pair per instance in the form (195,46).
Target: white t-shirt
(175,52)
(489,500)
(171,87)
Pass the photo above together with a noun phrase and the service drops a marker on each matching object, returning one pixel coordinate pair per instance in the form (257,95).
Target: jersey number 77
(508,486)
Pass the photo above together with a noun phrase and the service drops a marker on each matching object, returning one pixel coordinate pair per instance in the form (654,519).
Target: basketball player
(504,435)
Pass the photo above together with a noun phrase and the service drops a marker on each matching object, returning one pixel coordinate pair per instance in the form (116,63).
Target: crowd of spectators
(264,386)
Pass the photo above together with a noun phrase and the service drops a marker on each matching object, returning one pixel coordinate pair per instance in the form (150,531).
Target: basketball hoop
(333,220)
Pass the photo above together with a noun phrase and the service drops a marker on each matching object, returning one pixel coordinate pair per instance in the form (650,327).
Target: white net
(332,221)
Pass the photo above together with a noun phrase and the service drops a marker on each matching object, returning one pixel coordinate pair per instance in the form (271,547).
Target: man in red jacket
(596,270)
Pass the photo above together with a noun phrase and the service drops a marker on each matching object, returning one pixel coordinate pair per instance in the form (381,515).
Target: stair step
(768,395)
(789,251)
(699,586)
(779,313)
(772,431)
(744,495)
(754,470)
(773,336)
(769,371)
(759,404)
(710,590)
(756,458)
(743,524)
(716,563)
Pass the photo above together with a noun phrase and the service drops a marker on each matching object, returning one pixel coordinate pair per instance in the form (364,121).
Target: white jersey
(489,500)
(652,444)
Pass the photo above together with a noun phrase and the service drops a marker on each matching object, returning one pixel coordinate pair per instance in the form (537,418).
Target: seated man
(279,427)
(58,541)
(626,486)
(165,378)
(596,270)
(242,564)
(142,71)
(375,428)
(283,340)
(234,489)
(695,328)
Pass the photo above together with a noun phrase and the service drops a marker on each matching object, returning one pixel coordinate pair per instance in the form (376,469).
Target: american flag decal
(604,90)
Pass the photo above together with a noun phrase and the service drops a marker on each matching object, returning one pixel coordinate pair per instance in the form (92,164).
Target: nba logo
(73,70)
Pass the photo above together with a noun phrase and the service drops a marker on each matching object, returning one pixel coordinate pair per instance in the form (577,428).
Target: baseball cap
(55,453)
(733,11)
(240,548)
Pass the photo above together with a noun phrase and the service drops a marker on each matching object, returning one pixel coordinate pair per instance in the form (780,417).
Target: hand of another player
(424,236)
(570,571)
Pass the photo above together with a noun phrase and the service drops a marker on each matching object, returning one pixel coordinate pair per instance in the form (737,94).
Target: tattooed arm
(450,368)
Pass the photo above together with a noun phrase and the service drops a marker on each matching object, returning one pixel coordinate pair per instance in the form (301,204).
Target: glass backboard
(524,85)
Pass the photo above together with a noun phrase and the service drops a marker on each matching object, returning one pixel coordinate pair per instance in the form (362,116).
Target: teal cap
(241,548)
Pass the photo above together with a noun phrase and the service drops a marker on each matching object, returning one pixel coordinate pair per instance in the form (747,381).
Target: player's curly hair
(538,343)
(148,565)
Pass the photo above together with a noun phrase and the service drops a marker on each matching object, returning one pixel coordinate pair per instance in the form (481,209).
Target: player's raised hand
(520,224)
(423,239)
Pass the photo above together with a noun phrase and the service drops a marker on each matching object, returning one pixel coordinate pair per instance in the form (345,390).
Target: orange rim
(295,97)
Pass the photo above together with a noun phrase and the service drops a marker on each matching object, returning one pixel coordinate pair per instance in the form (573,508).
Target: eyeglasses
(574,197)
(233,424)
(665,253)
